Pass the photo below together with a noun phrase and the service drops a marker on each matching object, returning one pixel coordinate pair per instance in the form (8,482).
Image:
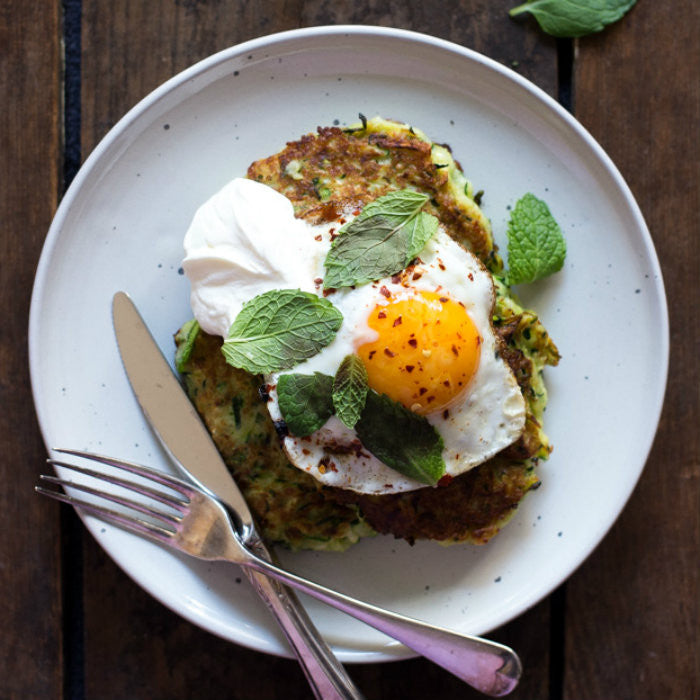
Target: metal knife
(184,437)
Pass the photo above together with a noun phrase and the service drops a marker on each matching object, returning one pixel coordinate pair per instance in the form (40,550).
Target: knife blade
(185,439)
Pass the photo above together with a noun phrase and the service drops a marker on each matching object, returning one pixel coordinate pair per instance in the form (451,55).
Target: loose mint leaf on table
(381,241)
(279,329)
(536,246)
(350,390)
(574,18)
(306,401)
(401,439)
(185,338)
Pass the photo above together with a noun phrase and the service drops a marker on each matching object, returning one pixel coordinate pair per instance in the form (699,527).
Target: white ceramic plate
(120,227)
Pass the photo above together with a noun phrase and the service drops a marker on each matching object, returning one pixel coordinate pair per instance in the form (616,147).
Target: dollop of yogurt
(242,241)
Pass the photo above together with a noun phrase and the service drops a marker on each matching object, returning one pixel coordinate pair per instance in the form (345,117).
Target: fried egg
(425,335)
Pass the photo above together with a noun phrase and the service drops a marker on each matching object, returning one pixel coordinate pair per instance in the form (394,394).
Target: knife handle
(325,674)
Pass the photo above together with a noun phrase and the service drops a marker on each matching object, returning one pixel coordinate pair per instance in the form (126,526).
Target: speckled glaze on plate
(120,227)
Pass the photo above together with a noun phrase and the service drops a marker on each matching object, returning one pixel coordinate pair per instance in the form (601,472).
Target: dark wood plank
(30,643)
(634,608)
(134,647)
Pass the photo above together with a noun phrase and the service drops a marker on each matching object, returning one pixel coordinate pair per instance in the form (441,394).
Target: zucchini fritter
(322,174)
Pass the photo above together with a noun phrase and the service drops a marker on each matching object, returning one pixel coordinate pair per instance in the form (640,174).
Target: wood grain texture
(634,608)
(134,647)
(130,47)
(30,575)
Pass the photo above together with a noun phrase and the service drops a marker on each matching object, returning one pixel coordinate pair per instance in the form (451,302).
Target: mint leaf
(388,233)
(350,390)
(278,329)
(401,439)
(185,338)
(305,401)
(573,18)
(536,246)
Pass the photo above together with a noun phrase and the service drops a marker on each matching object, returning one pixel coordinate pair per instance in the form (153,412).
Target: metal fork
(187,519)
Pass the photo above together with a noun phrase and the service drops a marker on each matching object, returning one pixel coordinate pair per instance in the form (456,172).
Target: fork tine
(133,524)
(119,500)
(160,477)
(165,499)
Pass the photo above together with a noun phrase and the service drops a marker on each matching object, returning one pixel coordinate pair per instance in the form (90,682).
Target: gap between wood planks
(71,526)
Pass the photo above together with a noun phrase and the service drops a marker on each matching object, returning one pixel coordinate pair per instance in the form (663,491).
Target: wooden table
(625,625)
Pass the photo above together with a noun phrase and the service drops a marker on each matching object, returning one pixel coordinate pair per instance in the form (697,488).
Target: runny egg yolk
(427,351)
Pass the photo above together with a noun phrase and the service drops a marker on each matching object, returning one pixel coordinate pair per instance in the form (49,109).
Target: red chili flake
(381,314)
(444,300)
(444,480)
(445,414)
(305,451)
(462,305)
(417,275)
(455,351)
(478,340)
(385,292)
(447,383)
(388,353)
(325,464)
(441,265)
(397,322)
(343,220)
(431,399)
(371,354)
(413,342)
(471,277)
(396,279)
(327,292)
(318,281)
(422,391)
(318,238)
(410,368)
(331,231)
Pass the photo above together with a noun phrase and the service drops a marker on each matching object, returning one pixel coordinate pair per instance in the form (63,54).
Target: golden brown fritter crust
(339,165)
(470,508)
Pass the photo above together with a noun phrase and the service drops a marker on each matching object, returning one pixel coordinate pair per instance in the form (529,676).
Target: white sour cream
(242,241)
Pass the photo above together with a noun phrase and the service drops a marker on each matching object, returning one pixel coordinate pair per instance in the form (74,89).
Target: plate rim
(205,65)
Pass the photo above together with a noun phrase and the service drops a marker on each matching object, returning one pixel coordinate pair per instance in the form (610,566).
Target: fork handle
(324,673)
(492,668)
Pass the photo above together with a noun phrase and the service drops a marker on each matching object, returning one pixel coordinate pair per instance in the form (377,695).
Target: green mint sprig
(279,329)
(350,390)
(403,440)
(381,241)
(574,18)
(536,246)
(305,401)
